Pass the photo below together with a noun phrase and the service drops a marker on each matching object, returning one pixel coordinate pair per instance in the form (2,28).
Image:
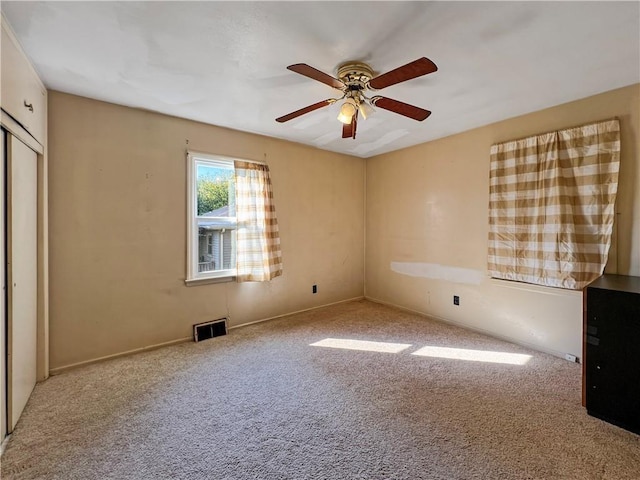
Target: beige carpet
(263,403)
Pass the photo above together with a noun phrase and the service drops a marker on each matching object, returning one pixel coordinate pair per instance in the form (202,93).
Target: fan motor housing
(355,75)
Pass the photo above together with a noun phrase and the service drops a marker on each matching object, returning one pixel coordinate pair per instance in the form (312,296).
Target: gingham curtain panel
(551,205)
(257,238)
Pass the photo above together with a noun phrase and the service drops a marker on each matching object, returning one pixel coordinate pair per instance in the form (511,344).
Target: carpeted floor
(263,403)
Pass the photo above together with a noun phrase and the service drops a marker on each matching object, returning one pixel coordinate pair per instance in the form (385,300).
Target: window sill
(530,287)
(193,282)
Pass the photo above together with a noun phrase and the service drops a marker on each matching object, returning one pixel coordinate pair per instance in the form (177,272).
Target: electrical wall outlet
(571,358)
(456,300)
(314,289)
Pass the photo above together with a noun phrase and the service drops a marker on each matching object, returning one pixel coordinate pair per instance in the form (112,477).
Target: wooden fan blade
(349,129)
(346,130)
(354,125)
(417,68)
(401,108)
(302,111)
(315,74)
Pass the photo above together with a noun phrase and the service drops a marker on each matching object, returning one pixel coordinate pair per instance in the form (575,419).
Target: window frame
(192,275)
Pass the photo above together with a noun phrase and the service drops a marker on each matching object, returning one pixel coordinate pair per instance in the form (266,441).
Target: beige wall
(118,240)
(118,218)
(426,228)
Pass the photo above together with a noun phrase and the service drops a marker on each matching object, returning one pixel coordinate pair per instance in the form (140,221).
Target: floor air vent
(215,328)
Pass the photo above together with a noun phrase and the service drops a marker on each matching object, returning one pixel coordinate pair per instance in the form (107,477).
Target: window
(232,229)
(212,217)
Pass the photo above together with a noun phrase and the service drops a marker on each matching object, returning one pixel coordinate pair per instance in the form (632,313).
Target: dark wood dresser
(611,367)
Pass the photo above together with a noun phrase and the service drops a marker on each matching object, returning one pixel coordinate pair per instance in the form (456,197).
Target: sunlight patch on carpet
(473,355)
(348,344)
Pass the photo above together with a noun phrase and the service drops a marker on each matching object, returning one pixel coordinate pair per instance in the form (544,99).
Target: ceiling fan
(356,78)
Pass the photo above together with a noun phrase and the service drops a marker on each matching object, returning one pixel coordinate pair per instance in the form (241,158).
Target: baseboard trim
(489,333)
(59,370)
(354,299)
(3,444)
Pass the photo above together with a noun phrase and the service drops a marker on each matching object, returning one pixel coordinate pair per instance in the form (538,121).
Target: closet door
(3,311)
(22,263)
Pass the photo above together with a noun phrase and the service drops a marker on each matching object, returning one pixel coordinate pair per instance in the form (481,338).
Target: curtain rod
(558,130)
(215,156)
(251,161)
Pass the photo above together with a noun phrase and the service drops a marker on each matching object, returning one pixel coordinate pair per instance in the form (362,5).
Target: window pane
(216,248)
(213,248)
(215,190)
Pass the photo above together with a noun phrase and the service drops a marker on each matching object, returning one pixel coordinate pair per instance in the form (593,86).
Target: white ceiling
(224,63)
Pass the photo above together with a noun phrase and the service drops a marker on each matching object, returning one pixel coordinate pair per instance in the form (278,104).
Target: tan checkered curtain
(257,238)
(551,205)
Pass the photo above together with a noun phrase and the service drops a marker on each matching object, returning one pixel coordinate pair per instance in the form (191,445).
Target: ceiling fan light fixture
(354,80)
(365,109)
(347,111)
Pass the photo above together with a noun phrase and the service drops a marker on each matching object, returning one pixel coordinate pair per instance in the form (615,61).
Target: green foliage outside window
(212,194)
